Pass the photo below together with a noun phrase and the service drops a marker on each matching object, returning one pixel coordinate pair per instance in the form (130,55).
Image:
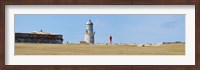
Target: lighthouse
(89,34)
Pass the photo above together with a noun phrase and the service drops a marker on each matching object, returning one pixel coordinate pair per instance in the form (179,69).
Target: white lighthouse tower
(89,34)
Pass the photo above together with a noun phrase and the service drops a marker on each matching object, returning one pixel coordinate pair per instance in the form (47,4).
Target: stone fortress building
(38,37)
(89,34)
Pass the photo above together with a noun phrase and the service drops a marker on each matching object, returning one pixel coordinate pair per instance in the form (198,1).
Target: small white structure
(89,34)
(140,45)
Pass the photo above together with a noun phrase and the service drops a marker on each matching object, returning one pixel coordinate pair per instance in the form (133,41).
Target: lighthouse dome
(89,22)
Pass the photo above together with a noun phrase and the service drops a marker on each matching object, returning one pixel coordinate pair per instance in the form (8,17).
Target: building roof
(39,32)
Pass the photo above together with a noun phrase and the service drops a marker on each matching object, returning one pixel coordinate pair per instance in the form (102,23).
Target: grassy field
(81,49)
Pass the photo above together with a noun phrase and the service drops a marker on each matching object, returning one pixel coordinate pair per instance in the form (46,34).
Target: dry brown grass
(81,49)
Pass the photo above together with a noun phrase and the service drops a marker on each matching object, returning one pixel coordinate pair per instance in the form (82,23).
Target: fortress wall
(38,38)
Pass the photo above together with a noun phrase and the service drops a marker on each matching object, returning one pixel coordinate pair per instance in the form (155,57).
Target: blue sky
(130,28)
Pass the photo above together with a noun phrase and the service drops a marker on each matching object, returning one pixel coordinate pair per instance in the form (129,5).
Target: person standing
(110,38)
